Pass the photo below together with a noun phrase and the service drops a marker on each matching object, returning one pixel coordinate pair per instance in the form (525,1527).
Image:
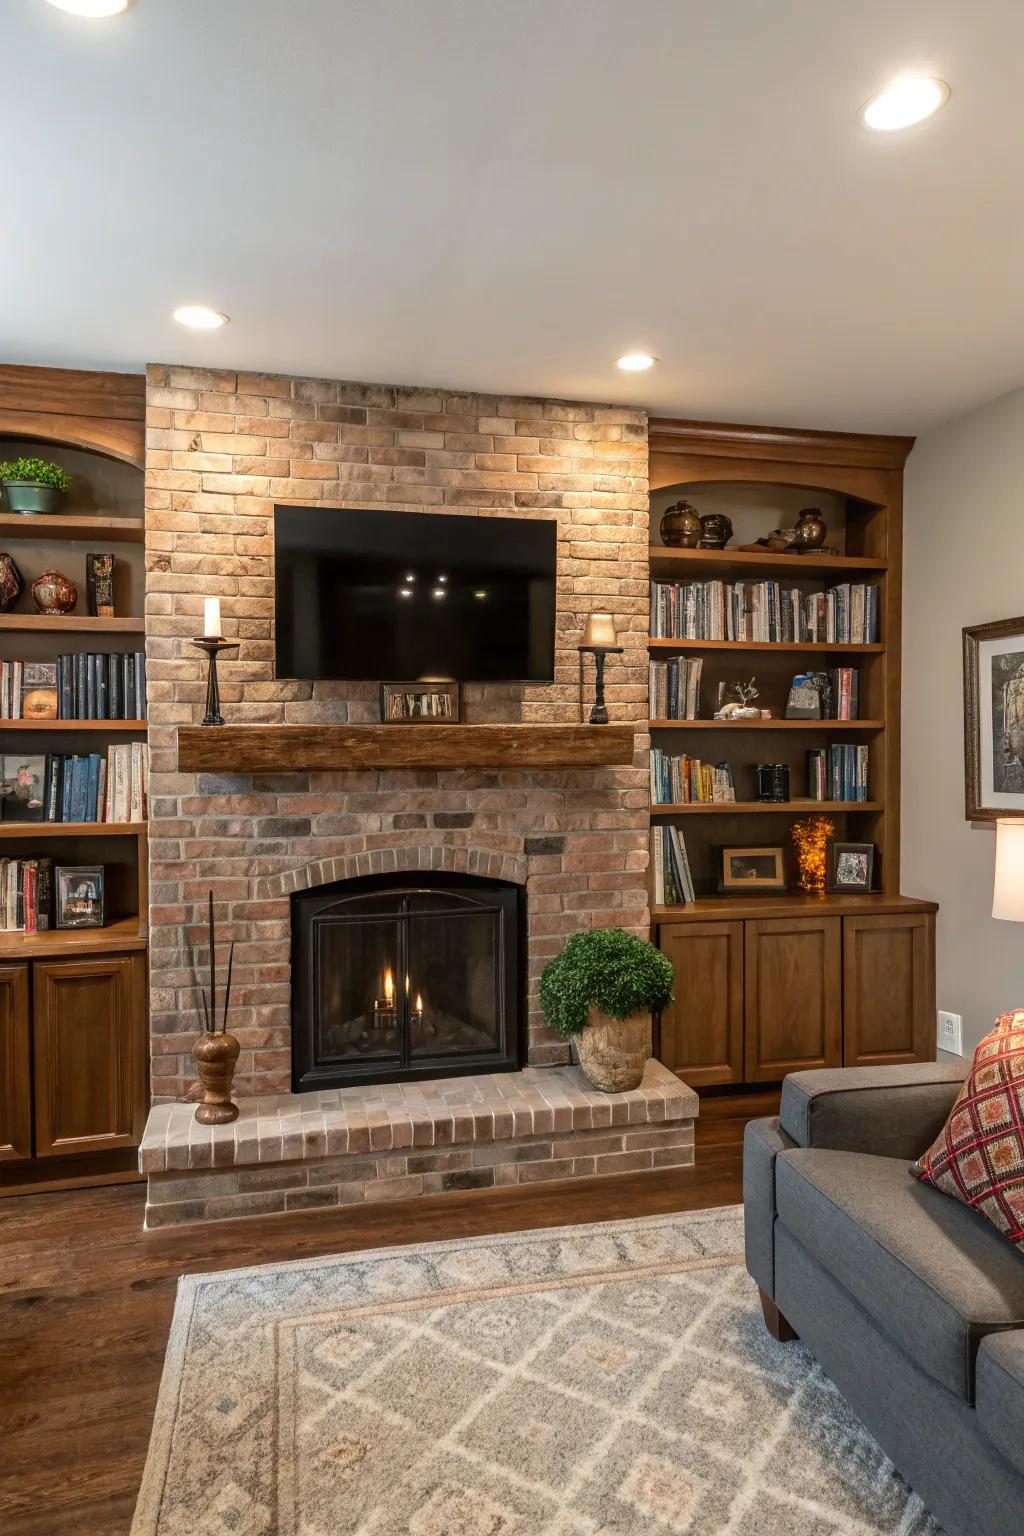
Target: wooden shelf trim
(766,725)
(765,807)
(765,645)
(72,623)
(47,725)
(294,748)
(116,530)
(787,904)
(30,830)
(117,936)
(700,563)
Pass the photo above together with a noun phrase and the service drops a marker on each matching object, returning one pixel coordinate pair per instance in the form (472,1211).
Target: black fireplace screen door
(398,980)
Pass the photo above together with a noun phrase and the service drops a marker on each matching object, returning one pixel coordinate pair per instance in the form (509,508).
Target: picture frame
(80,896)
(754,868)
(422,703)
(994,720)
(850,867)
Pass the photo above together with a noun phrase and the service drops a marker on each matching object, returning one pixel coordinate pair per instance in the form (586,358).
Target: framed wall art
(994,720)
(752,869)
(850,867)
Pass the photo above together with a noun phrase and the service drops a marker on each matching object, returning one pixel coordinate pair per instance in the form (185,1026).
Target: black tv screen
(403,596)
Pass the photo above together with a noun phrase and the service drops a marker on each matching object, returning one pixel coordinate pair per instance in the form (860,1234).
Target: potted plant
(216,1052)
(33,485)
(599,993)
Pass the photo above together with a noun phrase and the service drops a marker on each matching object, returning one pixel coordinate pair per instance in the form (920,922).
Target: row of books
(838,772)
(682,780)
(80,686)
(763,612)
(26,895)
(76,788)
(675,688)
(673,882)
(845,692)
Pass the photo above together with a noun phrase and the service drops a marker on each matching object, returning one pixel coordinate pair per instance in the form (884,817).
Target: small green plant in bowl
(600,992)
(33,485)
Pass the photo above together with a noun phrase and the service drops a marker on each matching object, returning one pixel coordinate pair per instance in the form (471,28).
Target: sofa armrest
(891,1111)
(999,1393)
(763,1140)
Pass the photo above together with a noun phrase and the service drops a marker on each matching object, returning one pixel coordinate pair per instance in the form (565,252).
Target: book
(39,691)
(764,612)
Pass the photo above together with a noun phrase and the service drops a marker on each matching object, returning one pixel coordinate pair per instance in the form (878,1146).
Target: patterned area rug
(608,1380)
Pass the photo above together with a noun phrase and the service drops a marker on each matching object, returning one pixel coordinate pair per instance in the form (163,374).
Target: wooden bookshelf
(773,982)
(74,1000)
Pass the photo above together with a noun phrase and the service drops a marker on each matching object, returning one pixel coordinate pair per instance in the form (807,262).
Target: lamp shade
(600,631)
(1008,891)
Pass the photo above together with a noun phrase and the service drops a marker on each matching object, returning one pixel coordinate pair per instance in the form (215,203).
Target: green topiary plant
(609,968)
(35,472)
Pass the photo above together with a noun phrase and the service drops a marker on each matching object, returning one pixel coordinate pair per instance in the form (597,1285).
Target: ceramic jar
(11,583)
(810,529)
(715,530)
(680,526)
(54,593)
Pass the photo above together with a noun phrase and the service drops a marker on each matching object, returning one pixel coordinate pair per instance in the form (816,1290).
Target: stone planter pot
(24,496)
(215,1056)
(614,1052)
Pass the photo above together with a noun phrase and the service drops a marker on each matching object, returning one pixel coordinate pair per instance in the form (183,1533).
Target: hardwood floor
(86,1298)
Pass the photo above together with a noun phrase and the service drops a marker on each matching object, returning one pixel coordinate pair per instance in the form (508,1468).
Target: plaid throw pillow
(978,1156)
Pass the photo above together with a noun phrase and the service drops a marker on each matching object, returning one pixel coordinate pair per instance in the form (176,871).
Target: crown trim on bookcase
(783,444)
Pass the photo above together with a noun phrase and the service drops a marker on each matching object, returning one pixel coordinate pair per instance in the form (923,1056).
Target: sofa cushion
(978,1156)
(1000,1394)
(931,1273)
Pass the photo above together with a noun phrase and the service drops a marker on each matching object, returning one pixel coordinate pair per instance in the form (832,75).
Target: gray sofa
(912,1303)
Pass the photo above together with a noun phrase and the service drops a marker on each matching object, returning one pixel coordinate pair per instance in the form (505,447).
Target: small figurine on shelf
(735,702)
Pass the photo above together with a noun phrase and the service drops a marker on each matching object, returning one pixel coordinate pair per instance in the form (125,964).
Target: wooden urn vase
(613,1052)
(215,1056)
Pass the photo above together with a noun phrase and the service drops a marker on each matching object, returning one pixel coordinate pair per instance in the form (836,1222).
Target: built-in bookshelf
(760,479)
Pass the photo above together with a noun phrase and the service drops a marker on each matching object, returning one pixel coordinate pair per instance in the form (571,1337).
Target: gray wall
(963,565)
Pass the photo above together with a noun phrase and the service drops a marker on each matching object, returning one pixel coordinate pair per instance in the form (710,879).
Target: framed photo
(420,703)
(80,896)
(851,866)
(994,720)
(753,869)
(21,788)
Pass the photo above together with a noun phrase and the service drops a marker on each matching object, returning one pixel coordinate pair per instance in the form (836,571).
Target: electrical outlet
(950,1033)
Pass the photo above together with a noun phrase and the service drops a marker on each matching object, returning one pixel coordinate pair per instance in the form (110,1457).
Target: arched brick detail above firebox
(472,860)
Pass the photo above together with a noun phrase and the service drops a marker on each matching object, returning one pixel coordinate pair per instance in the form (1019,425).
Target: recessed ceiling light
(907,100)
(199,317)
(479,594)
(405,591)
(442,578)
(439,592)
(411,576)
(635,362)
(92,7)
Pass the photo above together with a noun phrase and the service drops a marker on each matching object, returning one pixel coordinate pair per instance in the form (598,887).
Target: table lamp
(1008,886)
(600,639)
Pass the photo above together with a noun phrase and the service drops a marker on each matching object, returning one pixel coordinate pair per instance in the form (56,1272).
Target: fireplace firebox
(400,977)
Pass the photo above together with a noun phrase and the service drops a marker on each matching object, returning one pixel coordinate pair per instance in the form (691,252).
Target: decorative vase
(614,1052)
(715,530)
(810,529)
(11,583)
(24,496)
(215,1055)
(680,526)
(54,593)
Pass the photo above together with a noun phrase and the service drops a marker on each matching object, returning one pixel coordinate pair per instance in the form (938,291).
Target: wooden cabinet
(793,996)
(889,989)
(15,1070)
(702,1030)
(89,1059)
(770,987)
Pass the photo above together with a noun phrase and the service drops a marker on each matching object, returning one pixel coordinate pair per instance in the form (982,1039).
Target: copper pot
(680,526)
(215,1056)
(54,593)
(810,529)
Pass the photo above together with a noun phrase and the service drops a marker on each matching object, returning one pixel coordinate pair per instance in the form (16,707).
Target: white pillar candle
(211,618)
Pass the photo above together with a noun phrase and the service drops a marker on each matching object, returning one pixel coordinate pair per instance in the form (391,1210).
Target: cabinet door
(15,1069)
(702,1030)
(89,1054)
(793,996)
(888,989)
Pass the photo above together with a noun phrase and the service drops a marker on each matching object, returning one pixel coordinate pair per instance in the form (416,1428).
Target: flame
(389,988)
(419,1003)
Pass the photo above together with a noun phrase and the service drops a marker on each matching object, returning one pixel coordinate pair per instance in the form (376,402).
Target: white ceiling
(507,194)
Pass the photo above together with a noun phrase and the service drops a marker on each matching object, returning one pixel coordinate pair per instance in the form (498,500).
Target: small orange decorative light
(810,839)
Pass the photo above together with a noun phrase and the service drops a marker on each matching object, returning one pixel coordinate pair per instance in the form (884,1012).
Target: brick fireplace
(222,449)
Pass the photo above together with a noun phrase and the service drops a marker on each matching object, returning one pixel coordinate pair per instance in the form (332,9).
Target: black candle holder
(213,645)
(599,713)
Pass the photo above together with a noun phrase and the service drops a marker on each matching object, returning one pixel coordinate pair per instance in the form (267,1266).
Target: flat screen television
(372,595)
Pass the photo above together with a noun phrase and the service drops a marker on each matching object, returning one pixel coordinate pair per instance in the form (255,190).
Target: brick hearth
(290,1152)
(222,449)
